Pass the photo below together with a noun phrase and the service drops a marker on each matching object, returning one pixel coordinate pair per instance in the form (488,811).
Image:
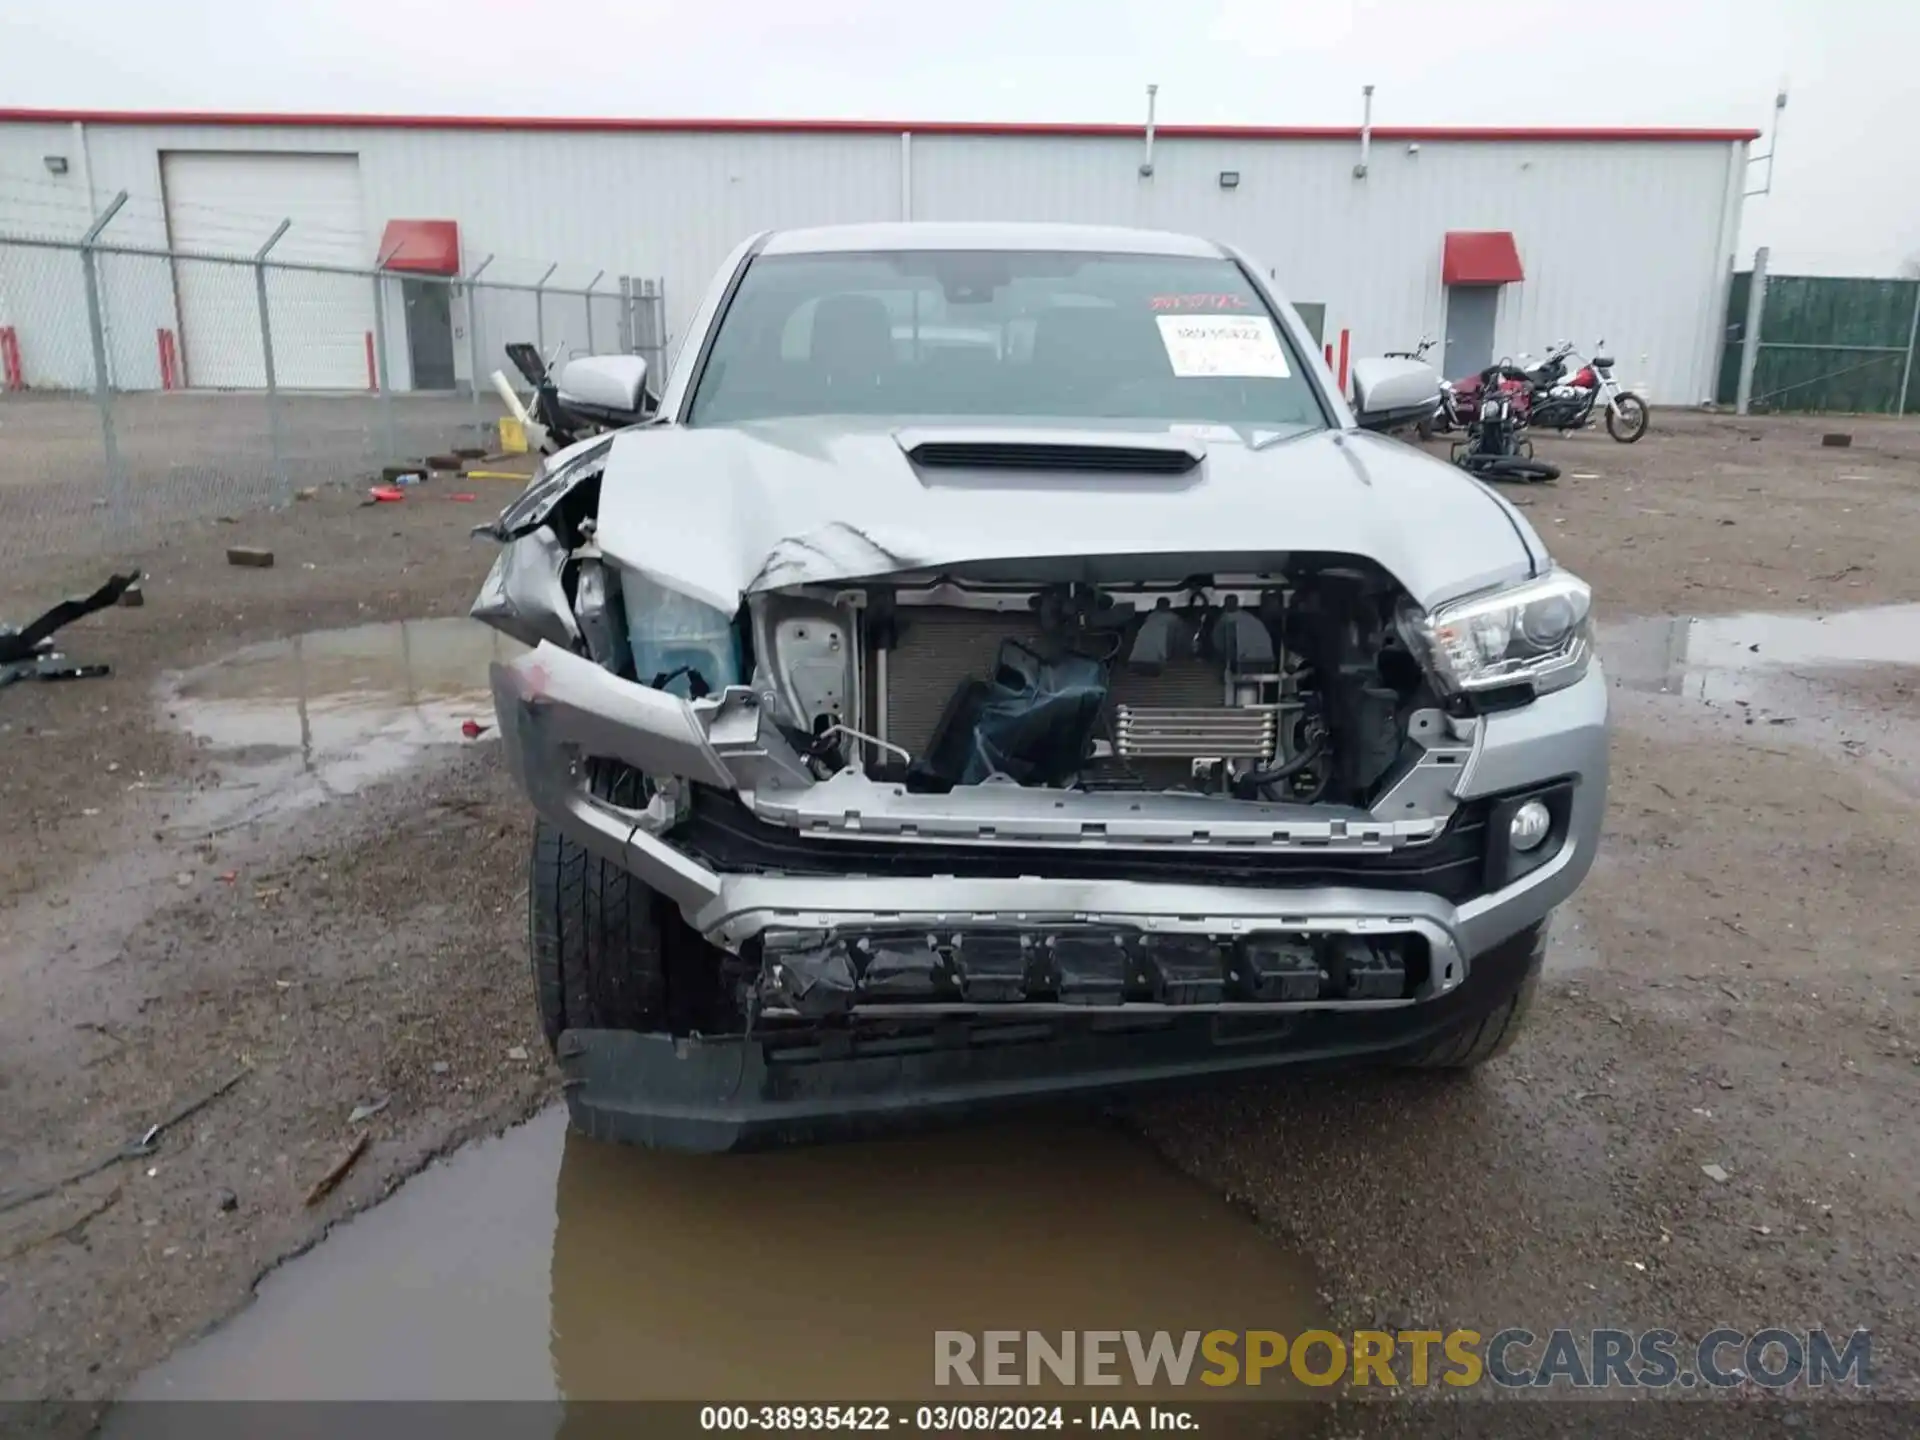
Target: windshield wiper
(1264,438)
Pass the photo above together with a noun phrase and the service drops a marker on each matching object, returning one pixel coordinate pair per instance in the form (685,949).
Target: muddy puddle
(1843,682)
(291,723)
(543,1266)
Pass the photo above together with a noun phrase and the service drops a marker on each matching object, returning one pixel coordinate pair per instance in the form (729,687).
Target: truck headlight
(1538,633)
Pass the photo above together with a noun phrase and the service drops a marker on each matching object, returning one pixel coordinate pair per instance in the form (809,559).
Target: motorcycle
(1565,401)
(1565,391)
(1424,426)
(1497,447)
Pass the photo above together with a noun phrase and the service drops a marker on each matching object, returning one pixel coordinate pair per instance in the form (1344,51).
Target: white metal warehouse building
(1501,241)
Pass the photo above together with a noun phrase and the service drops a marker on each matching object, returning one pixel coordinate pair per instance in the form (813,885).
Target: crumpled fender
(559,475)
(523,596)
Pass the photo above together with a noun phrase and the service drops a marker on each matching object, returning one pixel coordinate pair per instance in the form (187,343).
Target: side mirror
(609,388)
(1391,393)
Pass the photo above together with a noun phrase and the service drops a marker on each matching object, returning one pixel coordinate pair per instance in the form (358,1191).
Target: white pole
(1750,335)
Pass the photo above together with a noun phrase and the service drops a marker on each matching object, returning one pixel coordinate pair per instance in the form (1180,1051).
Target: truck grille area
(1152,733)
(940,647)
(722,834)
(897,969)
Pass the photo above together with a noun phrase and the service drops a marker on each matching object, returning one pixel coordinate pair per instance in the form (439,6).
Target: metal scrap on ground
(28,653)
(135,1149)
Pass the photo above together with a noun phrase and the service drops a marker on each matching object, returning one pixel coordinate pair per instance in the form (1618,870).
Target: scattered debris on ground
(139,1147)
(29,653)
(326,1184)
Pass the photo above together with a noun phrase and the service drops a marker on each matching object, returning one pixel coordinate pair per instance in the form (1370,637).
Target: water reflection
(542,1266)
(1818,680)
(293,722)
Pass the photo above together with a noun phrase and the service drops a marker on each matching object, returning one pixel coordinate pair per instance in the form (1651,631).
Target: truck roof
(990,235)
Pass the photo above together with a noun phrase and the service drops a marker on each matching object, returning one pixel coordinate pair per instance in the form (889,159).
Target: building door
(1470,312)
(1314,317)
(429,333)
(227,204)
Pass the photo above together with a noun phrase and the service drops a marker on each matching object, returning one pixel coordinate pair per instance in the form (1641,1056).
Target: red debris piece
(387,494)
(463,496)
(473,729)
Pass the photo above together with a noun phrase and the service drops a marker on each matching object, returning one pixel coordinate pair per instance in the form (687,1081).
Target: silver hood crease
(718,513)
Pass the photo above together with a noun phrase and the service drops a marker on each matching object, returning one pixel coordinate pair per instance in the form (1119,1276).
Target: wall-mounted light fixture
(1229,179)
(56,164)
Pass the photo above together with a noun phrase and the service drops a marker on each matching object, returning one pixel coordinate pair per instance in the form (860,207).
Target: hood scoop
(1051,451)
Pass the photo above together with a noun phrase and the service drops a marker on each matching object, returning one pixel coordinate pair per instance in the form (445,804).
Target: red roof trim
(866,127)
(1480,257)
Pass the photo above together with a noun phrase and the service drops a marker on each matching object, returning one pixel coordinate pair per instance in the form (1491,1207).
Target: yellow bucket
(513,436)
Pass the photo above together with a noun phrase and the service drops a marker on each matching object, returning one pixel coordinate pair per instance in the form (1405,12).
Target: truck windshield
(1017,334)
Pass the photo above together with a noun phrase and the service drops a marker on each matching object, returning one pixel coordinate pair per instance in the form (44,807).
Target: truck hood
(721,512)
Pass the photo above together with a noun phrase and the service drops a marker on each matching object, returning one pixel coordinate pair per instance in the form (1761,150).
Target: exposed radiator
(1148,733)
(940,647)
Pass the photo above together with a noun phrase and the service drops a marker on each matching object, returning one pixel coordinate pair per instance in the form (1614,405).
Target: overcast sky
(1846,189)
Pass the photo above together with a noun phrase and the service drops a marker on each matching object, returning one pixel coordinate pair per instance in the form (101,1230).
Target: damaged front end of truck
(934,817)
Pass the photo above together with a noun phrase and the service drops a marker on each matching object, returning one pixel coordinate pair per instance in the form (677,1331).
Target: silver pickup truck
(1003,665)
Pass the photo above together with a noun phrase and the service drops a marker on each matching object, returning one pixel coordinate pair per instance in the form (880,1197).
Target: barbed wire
(248,229)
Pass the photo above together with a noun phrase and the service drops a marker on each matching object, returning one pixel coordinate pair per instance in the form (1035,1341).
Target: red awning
(426,247)
(1481,257)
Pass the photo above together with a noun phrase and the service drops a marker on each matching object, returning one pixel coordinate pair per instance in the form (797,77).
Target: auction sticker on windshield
(1235,346)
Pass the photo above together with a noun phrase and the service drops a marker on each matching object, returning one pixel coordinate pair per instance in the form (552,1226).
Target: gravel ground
(1733,988)
(197,455)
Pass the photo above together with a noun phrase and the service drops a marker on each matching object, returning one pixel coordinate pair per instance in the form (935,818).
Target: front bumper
(1481,932)
(737,1094)
(556,709)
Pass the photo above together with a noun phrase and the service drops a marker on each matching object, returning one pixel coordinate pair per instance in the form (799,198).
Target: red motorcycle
(1460,399)
(1501,412)
(1557,400)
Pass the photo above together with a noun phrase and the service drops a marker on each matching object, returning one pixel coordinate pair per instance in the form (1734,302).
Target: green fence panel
(1827,381)
(1827,344)
(1822,310)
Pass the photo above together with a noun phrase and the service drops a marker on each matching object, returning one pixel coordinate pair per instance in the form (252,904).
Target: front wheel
(608,952)
(1627,418)
(1472,1043)
(1510,467)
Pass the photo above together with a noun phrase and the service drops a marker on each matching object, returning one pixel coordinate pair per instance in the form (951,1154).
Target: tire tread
(1477,1041)
(594,931)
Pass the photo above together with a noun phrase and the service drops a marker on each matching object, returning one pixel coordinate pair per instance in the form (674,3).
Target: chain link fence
(140,386)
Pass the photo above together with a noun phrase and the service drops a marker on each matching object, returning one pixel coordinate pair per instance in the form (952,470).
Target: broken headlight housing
(1539,633)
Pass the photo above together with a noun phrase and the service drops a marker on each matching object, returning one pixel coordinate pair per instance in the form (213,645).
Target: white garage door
(228,204)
